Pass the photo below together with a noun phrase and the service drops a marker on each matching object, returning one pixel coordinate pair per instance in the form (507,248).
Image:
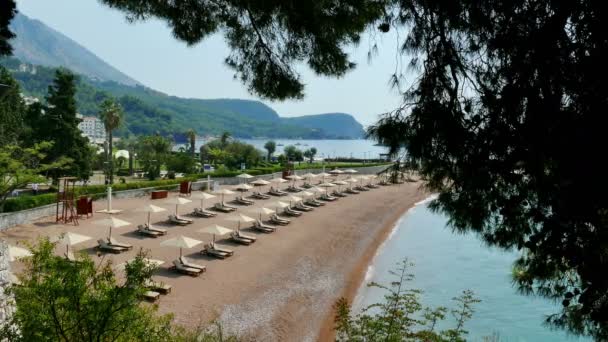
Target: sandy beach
(281,288)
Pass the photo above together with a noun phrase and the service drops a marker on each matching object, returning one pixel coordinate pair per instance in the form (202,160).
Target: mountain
(39,44)
(39,50)
(338,125)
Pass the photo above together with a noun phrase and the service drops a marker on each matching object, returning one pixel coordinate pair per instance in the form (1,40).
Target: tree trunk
(110,159)
(131,162)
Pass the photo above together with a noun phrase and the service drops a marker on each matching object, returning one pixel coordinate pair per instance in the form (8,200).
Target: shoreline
(357,276)
(283,287)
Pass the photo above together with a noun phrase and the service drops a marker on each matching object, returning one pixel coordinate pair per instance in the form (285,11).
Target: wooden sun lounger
(291,212)
(229,206)
(259,225)
(307,185)
(279,220)
(185,219)
(241,200)
(156,229)
(151,296)
(181,268)
(159,287)
(300,206)
(143,230)
(260,195)
(113,242)
(223,208)
(234,236)
(293,189)
(361,188)
(327,198)
(352,191)
(70,256)
(188,263)
(245,236)
(338,194)
(106,247)
(218,252)
(200,212)
(276,192)
(318,203)
(173,219)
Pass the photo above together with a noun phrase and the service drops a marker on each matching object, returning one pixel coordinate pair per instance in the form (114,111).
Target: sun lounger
(328,198)
(261,226)
(352,191)
(159,287)
(155,229)
(234,236)
(276,192)
(222,208)
(175,220)
(336,193)
(216,251)
(246,236)
(106,247)
(69,255)
(293,189)
(301,206)
(151,296)
(361,188)
(184,219)
(181,268)
(143,230)
(241,200)
(229,206)
(200,212)
(290,212)
(260,195)
(307,185)
(113,242)
(312,203)
(276,219)
(188,263)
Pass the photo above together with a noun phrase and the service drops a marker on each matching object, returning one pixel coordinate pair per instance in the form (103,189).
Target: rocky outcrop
(6,306)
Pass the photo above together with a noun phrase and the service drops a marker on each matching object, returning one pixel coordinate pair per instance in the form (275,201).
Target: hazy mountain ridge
(39,49)
(38,44)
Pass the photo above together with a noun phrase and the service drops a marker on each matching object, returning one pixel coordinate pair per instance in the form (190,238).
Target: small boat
(279,144)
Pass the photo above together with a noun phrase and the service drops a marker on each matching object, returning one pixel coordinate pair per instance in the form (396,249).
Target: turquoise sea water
(446,264)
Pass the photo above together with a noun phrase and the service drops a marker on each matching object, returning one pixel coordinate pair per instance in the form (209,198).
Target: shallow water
(448,263)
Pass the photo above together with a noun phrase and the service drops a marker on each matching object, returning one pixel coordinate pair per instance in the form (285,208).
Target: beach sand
(281,288)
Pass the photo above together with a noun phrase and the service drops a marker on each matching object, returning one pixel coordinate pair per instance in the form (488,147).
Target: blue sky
(148,52)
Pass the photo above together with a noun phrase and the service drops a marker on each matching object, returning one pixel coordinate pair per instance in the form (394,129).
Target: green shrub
(28,202)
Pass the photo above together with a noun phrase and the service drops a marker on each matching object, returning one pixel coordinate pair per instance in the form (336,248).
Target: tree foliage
(153,151)
(270,147)
(401,316)
(61,300)
(7,13)
(57,122)
(112,116)
(21,166)
(293,153)
(12,108)
(268,37)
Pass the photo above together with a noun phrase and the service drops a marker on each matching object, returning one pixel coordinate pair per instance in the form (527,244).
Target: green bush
(27,202)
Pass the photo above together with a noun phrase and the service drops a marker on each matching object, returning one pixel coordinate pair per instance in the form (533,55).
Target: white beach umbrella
(308,175)
(112,222)
(202,196)
(148,262)
(326,186)
(244,187)
(150,208)
(306,193)
(262,211)
(350,171)
(70,239)
(177,201)
(223,192)
(278,180)
(336,172)
(216,229)
(15,253)
(181,242)
(260,182)
(240,218)
(294,177)
(340,183)
(244,176)
(292,198)
(279,204)
(323,175)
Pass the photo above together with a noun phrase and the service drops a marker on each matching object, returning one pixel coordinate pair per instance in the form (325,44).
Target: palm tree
(270,146)
(224,138)
(191,134)
(111,115)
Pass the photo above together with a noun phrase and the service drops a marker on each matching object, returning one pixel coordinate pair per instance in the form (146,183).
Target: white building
(93,129)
